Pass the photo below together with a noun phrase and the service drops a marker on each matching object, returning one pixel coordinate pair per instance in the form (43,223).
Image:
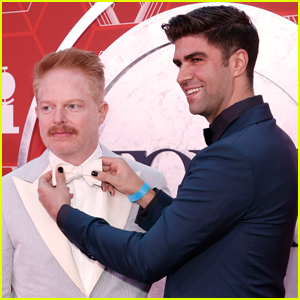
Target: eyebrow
(69,101)
(189,56)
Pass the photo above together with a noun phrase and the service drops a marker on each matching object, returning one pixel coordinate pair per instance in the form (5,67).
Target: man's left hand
(52,197)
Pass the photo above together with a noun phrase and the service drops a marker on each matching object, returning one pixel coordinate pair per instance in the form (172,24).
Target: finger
(60,176)
(103,183)
(111,189)
(45,180)
(106,168)
(106,177)
(103,186)
(46,177)
(107,161)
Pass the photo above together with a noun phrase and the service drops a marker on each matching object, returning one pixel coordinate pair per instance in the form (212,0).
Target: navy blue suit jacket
(228,232)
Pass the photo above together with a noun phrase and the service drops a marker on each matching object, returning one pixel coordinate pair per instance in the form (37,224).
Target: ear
(103,109)
(239,62)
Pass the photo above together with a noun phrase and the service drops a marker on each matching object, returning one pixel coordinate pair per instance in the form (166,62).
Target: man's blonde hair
(73,59)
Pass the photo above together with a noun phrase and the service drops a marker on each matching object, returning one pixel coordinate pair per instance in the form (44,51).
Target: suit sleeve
(147,217)
(7,262)
(213,197)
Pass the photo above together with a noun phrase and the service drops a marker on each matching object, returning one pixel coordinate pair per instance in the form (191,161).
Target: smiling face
(69,117)
(203,77)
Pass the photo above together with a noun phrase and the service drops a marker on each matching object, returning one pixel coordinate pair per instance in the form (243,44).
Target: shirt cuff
(143,212)
(62,215)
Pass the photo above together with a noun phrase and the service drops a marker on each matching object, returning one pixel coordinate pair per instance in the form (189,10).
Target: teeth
(193,90)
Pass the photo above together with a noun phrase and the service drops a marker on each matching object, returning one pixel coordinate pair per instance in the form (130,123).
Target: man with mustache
(38,261)
(228,232)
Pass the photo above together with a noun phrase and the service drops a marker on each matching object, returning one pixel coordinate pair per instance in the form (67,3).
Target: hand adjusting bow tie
(75,172)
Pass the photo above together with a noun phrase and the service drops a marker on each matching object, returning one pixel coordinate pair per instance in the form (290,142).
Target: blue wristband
(140,193)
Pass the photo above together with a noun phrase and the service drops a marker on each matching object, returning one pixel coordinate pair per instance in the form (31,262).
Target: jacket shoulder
(30,171)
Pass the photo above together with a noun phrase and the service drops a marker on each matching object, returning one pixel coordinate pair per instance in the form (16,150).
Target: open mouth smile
(193,90)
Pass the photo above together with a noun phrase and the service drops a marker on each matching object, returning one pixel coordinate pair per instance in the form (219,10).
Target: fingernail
(60,169)
(94,173)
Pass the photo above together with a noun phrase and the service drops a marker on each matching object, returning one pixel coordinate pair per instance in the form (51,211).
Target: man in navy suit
(229,231)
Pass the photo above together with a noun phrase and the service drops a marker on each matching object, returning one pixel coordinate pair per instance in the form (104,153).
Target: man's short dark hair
(225,27)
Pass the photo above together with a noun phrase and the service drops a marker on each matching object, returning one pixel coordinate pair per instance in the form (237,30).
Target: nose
(184,75)
(60,116)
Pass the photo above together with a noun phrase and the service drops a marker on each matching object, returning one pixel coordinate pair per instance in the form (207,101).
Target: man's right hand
(119,175)
(52,198)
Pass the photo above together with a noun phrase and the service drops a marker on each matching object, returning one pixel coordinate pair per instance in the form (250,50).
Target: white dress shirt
(87,199)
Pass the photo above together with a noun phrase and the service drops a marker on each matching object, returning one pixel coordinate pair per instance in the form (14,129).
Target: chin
(62,149)
(194,111)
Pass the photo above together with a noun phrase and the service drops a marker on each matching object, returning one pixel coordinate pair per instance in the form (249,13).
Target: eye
(177,63)
(73,106)
(46,108)
(195,60)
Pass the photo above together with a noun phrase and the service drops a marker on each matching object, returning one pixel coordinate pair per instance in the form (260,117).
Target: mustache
(63,128)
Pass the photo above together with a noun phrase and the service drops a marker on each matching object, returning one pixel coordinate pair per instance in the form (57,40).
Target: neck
(77,158)
(237,95)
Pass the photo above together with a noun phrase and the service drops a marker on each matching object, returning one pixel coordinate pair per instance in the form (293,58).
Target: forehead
(63,75)
(63,81)
(188,45)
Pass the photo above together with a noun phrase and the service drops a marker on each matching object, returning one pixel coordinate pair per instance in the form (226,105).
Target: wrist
(62,215)
(147,198)
(140,193)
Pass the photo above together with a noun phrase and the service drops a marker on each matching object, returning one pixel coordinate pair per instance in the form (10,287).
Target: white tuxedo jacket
(36,257)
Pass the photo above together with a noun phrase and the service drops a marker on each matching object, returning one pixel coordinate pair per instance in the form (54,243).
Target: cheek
(89,121)
(42,124)
(201,75)
(45,123)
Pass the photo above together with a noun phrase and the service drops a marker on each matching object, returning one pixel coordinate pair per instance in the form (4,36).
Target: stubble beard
(76,144)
